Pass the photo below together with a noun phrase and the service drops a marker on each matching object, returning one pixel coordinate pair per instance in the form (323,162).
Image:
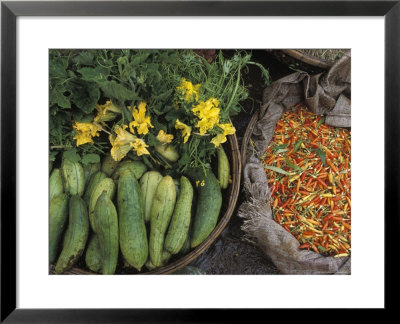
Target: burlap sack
(326,93)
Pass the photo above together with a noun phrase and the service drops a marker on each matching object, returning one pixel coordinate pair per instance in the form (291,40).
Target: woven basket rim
(308,59)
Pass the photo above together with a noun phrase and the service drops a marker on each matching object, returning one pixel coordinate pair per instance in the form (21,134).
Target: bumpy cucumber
(78,228)
(107,185)
(160,216)
(223,168)
(90,169)
(148,185)
(209,202)
(164,259)
(180,221)
(107,230)
(93,257)
(132,228)
(168,152)
(56,186)
(109,165)
(136,167)
(93,182)
(74,177)
(57,223)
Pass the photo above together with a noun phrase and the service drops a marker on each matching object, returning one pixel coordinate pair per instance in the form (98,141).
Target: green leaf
(71,155)
(297,146)
(279,147)
(292,165)
(90,158)
(57,68)
(112,89)
(52,155)
(57,97)
(276,169)
(84,58)
(97,74)
(321,154)
(281,150)
(84,95)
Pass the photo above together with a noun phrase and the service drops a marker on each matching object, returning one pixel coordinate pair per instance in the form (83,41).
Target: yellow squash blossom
(208,113)
(106,112)
(141,121)
(139,146)
(188,90)
(186,130)
(221,138)
(121,144)
(164,137)
(85,132)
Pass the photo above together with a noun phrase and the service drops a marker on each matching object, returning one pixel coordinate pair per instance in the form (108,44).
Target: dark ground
(229,254)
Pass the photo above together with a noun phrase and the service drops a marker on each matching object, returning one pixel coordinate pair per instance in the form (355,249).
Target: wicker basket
(301,60)
(230,197)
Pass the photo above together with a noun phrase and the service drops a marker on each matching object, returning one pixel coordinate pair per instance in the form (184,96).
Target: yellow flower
(227,128)
(188,90)
(217,140)
(106,112)
(221,138)
(141,122)
(121,143)
(140,147)
(164,137)
(85,132)
(208,113)
(186,130)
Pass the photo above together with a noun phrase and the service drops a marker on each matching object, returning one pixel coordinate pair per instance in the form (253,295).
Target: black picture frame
(10,10)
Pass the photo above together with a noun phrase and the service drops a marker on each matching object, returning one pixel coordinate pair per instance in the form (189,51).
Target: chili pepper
(319,203)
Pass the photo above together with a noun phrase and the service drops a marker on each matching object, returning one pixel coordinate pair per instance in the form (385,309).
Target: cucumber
(56,186)
(164,259)
(180,221)
(160,216)
(57,223)
(93,257)
(107,230)
(168,152)
(107,185)
(223,168)
(136,167)
(209,202)
(78,228)
(90,169)
(148,185)
(132,228)
(74,178)
(109,165)
(93,182)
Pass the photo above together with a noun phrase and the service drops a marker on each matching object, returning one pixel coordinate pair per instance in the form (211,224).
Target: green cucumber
(107,185)
(180,221)
(57,223)
(93,257)
(164,259)
(132,228)
(136,167)
(78,228)
(223,168)
(148,185)
(106,218)
(90,169)
(109,165)
(160,216)
(74,178)
(56,186)
(209,202)
(93,182)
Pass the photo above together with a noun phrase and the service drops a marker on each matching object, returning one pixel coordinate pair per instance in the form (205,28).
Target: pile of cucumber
(111,212)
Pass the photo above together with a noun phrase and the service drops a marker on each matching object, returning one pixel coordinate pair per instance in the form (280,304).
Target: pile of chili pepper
(308,168)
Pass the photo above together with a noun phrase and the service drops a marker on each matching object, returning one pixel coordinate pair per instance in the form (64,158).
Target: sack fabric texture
(327,93)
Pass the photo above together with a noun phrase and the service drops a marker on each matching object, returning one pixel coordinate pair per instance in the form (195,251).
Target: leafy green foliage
(79,80)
